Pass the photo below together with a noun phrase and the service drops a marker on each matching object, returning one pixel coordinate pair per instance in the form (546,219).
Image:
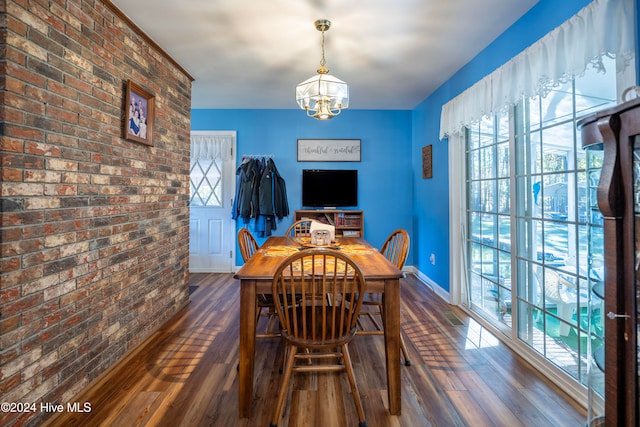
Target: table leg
(247,346)
(391,300)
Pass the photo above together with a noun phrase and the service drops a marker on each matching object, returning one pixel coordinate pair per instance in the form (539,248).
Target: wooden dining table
(256,276)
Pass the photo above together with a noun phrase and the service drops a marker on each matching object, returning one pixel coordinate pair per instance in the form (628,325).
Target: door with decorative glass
(212,185)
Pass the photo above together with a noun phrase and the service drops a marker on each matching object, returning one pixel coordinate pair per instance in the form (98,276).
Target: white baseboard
(435,287)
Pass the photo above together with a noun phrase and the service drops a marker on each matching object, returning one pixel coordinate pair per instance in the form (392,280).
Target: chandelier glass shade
(322,96)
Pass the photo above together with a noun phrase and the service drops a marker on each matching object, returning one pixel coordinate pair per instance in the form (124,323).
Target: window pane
(557,106)
(536,153)
(473,165)
(502,127)
(526,194)
(502,162)
(473,195)
(486,132)
(527,288)
(522,154)
(556,242)
(595,91)
(206,182)
(504,230)
(555,196)
(503,196)
(524,240)
(558,147)
(488,229)
(473,226)
(487,162)
(487,196)
(536,241)
(476,258)
(489,263)
(582,203)
(583,249)
(473,138)
(531,114)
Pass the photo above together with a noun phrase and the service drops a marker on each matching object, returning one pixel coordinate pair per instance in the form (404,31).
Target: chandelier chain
(322,61)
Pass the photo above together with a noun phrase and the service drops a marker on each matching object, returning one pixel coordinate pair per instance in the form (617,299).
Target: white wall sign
(328,150)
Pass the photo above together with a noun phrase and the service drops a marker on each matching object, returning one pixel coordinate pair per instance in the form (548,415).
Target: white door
(211,230)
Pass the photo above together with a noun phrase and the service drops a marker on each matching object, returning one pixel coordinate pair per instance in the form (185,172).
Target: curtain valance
(603,28)
(209,147)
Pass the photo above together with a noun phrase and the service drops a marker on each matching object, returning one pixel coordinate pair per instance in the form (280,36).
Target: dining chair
(264,306)
(395,249)
(248,244)
(311,289)
(300,228)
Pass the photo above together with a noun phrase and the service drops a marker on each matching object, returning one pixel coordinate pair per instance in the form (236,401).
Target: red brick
(22,304)
(10,234)
(7,175)
(9,383)
(9,294)
(9,144)
(10,264)
(42,149)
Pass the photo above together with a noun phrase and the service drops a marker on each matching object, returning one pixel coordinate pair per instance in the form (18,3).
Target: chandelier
(323,96)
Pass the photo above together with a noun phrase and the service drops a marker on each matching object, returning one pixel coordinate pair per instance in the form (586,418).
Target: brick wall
(94,228)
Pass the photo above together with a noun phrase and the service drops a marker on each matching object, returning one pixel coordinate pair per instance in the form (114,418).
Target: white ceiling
(252,53)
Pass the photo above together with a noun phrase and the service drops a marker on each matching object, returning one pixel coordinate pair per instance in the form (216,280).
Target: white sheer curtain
(209,147)
(459,288)
(603,28)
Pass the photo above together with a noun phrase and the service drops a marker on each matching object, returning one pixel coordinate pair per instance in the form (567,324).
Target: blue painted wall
(385,177)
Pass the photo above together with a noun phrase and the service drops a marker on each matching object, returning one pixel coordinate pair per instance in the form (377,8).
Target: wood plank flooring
(185,375)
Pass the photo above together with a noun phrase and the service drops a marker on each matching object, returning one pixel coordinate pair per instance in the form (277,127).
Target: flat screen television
(329,188)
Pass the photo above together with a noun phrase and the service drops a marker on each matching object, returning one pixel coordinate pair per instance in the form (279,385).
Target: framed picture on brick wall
(139,114)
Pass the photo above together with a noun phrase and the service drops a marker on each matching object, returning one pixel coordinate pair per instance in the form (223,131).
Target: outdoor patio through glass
(533,243)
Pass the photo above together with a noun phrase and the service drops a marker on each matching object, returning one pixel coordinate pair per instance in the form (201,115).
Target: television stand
(348,223)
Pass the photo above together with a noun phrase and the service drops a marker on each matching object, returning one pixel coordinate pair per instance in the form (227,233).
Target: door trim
(230,175)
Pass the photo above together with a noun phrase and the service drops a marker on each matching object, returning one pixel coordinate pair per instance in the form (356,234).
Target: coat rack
(257,156)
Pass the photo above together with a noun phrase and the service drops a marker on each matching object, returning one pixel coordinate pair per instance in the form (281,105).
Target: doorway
(212,187)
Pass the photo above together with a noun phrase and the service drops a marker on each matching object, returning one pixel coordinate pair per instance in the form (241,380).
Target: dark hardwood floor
(185,375)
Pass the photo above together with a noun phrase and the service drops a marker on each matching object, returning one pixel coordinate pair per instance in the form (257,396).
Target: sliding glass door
(527,218)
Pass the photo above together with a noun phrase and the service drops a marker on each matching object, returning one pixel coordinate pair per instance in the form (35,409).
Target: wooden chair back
(318,294)
(248,244)
(396,248)
(300,228)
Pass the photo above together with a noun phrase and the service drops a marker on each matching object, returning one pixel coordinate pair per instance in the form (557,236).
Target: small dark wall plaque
(426,162)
